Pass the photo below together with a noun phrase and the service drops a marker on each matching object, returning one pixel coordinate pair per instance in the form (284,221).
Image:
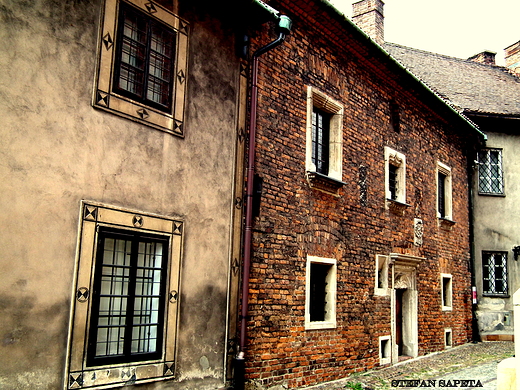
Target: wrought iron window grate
(494,270)
(490,173)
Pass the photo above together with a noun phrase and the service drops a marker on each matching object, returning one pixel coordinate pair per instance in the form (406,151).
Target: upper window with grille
(144,59)
(142,68)
(490,172)
(494,273)
(320,140)
(324,142)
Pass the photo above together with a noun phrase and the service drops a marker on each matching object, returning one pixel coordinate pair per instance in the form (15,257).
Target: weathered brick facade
(327,53)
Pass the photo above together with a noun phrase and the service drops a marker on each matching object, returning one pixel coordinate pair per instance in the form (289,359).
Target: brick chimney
(513,58)
(368,16)
(486,57)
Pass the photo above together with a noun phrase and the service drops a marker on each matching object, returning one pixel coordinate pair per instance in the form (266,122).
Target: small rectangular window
(320,140)
(392,181)
(441,194)
(446,292)
(385,349)
(381,276)
(444,192)
(494,273)
(320,299)
(395,175)
(490,172)
(448,338)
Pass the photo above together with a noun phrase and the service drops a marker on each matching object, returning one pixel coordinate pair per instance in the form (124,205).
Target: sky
(457,28)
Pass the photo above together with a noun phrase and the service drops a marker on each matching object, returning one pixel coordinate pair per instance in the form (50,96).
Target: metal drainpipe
(284,26)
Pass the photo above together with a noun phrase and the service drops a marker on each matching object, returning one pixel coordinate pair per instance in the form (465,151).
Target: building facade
(361,246)
(119,142)
(490,96)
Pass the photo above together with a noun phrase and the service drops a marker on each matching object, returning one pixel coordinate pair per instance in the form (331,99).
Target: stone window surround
(449,299)
(381,267)
(448,193)
(330,320)
(331,182)
(448,338)
(385,348)
(104,96)
(78,374)
(397,159)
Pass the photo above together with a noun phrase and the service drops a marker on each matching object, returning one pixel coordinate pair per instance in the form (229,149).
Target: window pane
(494,272)
(320,141)
(490,172)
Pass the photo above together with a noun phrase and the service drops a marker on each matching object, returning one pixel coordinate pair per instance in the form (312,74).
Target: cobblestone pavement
(476,362)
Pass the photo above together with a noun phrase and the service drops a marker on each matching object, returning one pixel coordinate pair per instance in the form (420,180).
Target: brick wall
(296,221)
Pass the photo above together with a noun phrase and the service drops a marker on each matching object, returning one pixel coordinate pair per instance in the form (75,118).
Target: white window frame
(385,352)
(331,290)
(397,159)
(381,268)
(448,193)
(448,338)
(317,99)
(449,298)
(105,98)
(78,373)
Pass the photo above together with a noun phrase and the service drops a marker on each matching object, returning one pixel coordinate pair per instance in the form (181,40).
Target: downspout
(284,27)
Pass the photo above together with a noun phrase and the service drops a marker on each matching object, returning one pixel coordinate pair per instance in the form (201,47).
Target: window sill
(324,183)
(496,295)
(446,224)
(320,325)
(396,207)
(497,195)
(447,308)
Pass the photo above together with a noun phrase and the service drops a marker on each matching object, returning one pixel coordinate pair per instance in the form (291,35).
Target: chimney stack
(486,57)
(513,58)
(368,16)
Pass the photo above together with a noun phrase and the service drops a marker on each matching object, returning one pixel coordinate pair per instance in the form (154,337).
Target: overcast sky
(458,28)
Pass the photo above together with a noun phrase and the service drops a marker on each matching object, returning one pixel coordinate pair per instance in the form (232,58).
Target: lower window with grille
(128,297)
(125,307)
(494,273)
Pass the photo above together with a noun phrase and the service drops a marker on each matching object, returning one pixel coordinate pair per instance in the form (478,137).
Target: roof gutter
(284,28)
(382,51)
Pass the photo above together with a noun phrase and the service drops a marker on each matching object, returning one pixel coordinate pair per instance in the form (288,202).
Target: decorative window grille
(128,299)
(320,140)
(441,194)
(144,59)
(490,173)
(494,271)
(393,181)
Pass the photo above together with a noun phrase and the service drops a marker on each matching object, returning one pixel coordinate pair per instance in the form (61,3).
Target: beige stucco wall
(497,229)
(57,150)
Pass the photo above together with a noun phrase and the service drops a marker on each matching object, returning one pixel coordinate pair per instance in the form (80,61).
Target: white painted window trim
(446,170)
(446,332)
(319,100)
(385,358)
(393,157)
(330,319)
(381,264)
(450,292)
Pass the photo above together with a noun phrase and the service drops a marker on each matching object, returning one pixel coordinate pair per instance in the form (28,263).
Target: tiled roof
(468,85)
